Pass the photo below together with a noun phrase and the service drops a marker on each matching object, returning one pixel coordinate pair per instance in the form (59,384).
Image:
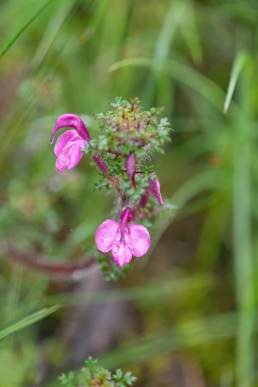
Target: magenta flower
(70,146)
(122,239)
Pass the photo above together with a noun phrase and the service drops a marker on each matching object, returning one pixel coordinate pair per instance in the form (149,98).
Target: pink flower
(122,239)
(70,146)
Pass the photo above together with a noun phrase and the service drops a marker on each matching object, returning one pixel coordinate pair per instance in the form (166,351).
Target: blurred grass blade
(236,69)
(243,264)
(29,320)
(16,36)
(182,73)
(173,19)
(136,61)
(194,186)
(190,33)
(52,30)
(185,335)
(242,236)
(99,14)
(163,288)
(130,4)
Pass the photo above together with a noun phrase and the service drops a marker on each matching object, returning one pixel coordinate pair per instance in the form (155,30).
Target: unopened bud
(101,164)
(154,188)
(130,165)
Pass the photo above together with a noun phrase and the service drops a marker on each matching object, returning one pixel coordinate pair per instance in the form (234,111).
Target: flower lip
(69,150)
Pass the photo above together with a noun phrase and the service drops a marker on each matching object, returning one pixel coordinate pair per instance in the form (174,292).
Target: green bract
(128,128)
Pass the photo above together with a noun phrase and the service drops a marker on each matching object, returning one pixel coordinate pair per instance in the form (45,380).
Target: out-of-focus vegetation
(186,314)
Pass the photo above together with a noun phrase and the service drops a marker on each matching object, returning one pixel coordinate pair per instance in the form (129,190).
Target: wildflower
(70,146)
(123,239)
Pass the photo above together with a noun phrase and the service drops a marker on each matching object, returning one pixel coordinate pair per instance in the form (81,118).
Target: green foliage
(92,374)
(128,128)
(27,321)
(110,270)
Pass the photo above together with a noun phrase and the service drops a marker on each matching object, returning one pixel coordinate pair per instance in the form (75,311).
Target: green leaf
(29,320)
(52,31)
(16,36)
(238,64)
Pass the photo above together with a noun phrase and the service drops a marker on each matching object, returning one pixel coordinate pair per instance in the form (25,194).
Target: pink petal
(106,234)
(64,139)
(139,239)
(69,159)
(60,163)
(74,156)
(122,254)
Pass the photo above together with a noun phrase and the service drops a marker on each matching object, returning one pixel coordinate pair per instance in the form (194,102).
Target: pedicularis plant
(122,153)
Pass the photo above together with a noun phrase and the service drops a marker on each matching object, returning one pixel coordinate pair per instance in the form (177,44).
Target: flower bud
(154,189)
(130,165)
(101,164)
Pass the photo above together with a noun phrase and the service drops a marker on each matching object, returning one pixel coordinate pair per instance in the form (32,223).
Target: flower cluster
(128,137)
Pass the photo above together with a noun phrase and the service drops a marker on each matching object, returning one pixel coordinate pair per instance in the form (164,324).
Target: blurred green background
(184,316)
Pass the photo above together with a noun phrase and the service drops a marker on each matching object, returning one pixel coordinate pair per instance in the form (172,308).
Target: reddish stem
(49,267)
